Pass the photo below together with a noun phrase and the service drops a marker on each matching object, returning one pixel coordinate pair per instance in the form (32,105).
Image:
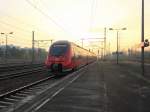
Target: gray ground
(104,87)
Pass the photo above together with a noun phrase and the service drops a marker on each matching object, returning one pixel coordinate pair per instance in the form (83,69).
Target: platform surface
(104,87)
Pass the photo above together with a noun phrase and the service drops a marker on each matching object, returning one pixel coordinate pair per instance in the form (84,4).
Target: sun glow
(72,20)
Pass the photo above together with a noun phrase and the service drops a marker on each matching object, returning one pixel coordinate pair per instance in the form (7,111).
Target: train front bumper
(57,65)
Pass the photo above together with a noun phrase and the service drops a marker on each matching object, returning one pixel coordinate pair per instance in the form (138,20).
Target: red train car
(65,55)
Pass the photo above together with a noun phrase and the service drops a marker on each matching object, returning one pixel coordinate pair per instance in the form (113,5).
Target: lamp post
(142,39)
(117,41)
(6,36)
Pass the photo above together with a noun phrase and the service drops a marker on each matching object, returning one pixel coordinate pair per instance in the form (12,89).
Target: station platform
(103,87)
(85,94)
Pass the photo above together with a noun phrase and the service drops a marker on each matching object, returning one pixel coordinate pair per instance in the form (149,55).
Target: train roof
(82,48)
(61,42)
(67,42)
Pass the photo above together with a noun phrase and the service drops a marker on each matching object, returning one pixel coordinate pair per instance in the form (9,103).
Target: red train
(65,55)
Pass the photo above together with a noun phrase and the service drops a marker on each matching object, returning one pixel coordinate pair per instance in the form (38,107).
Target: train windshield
(58,49)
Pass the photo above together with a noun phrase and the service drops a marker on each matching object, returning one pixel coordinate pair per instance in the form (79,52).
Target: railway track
(15,99)
(20,73)
(8,99)
(24,87)
(11,68)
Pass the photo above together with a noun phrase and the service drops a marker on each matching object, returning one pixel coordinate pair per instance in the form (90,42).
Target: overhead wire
(45,15)
(16,38)
(24,31)
(13,38)
(14,26)
(43,4)
(22,35)
(10,17)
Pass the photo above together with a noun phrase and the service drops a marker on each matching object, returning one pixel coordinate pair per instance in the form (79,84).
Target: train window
(58,49)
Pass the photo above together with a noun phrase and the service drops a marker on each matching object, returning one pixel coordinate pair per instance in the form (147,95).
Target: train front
(58,58)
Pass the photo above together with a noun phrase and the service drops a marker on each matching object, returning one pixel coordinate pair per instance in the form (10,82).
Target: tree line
(16,52)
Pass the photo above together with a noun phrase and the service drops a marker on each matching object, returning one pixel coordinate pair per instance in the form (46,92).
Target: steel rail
(4,69)
(25,87)
(20,73)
